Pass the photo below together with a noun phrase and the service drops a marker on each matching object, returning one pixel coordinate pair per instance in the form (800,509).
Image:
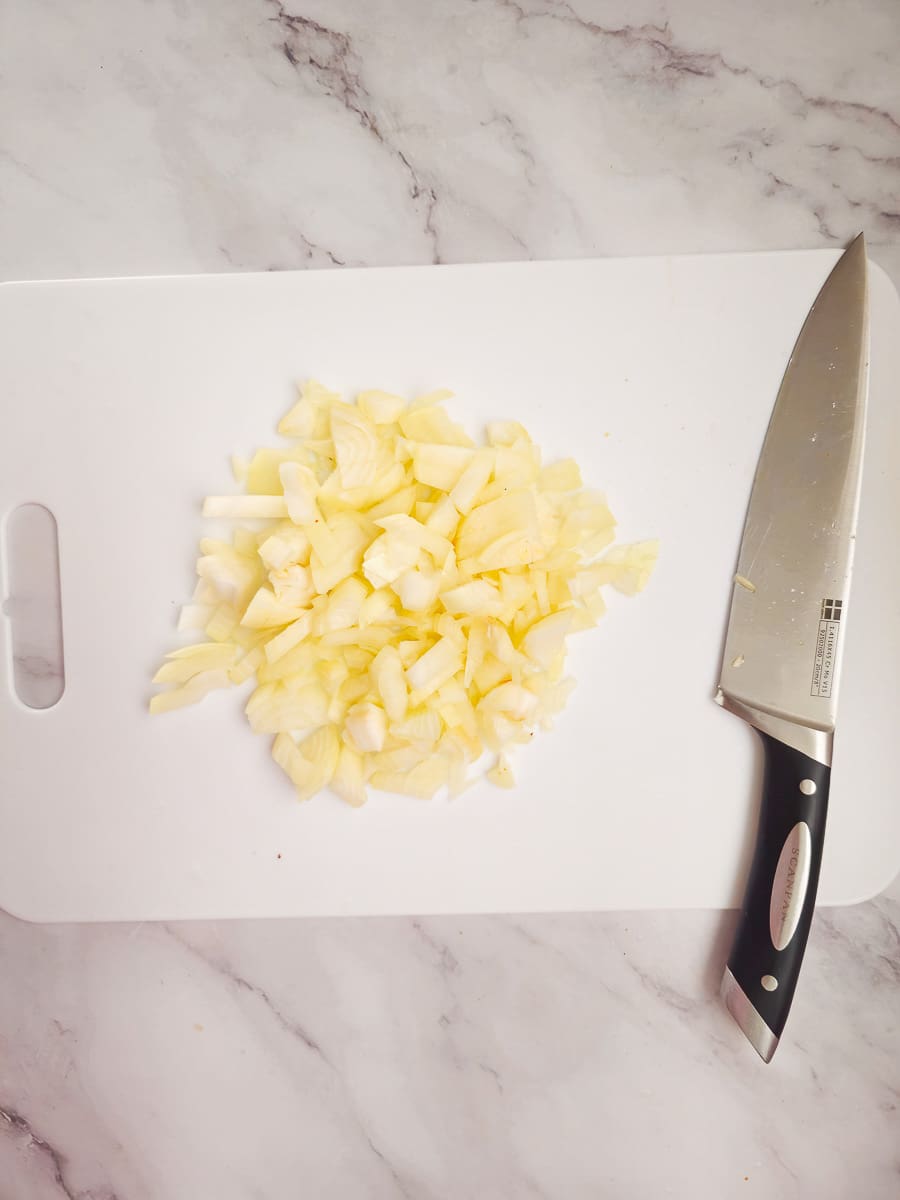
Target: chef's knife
(781,666)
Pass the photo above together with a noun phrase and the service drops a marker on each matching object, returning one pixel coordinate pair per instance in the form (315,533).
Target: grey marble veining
(532,1057)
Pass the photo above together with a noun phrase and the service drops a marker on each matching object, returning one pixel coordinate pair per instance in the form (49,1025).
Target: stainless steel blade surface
(790,600)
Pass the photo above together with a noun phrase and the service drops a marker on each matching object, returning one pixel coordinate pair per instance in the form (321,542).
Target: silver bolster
(757,1032)
(814,743)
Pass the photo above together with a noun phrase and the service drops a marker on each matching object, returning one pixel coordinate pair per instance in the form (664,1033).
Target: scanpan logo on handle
(789,885)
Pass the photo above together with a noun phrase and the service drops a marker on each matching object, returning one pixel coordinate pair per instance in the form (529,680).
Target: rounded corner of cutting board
(29,913)
(863,892)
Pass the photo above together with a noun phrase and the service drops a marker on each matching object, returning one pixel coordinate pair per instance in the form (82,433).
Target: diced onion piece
(311,765)
(427,399)
(500,644)
(596,605)
(387,558)
(443,518)
(431,424)
(308,419)
(440,466)
(249,508)
(248,665)
(423,727)
(276,708)
(245,541)
(552,697)
(402,501)
(447,626)
(333,497)
(262,477)
(203,654)
(434,668)
(300,490)
(506,433)
(266,611)
(284,548)
(465,491)
(561,476)
(632,566)
(378,606)
(229,574)
(478,598)
(501,774)
(366,725)
(356,446)
(195,689)
(194,616)
(337,552)
(476,648)
(382,408)
(587,581)
(546,637)
(293,585)
(344,605)
(222,624)
(390,682)
(408,529)
(422,780)
(182,664)
(417,588)
(349,780)
(508,518)
(205,592)
(517,465)
(289,637)
(510,699)
(511,550)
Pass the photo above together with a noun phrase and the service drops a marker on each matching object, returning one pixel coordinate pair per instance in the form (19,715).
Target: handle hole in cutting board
(32,605)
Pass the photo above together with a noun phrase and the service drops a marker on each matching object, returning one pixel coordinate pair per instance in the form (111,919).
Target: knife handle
(765,959)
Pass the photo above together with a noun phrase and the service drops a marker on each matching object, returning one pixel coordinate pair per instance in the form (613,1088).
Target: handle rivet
(807,787)
(769,982)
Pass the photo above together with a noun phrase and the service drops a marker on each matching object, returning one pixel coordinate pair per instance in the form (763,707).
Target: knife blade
(782,659)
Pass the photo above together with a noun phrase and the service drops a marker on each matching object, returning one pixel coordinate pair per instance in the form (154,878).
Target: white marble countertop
(582,1056)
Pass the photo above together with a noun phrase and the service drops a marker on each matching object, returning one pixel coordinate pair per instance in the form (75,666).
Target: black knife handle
(781,894)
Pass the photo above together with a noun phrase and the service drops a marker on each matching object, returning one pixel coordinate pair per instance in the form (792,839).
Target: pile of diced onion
(401,595)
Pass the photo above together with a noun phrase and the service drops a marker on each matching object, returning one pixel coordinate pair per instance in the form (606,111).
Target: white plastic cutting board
(121,402)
